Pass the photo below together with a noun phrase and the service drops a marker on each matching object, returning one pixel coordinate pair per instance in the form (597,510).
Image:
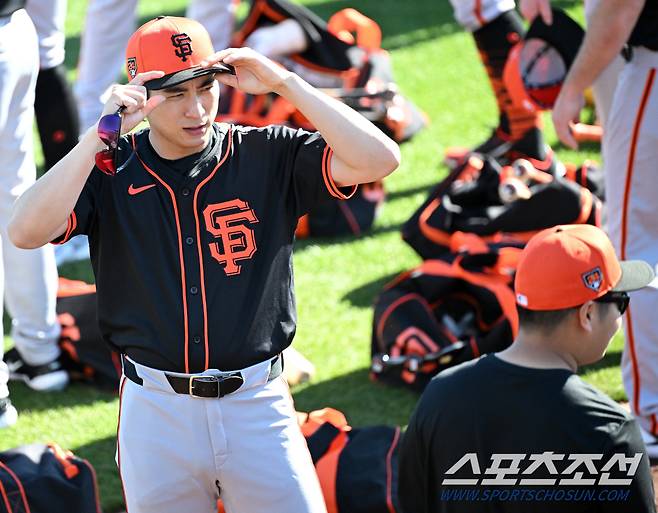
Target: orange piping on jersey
(20,485)
(477,12)
(389,472)
(198,243)
(123,491)
(329,179)
(624,224)
(180,255)
(71,224)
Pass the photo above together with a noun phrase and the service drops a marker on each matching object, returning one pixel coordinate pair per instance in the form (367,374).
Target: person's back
(519,431)
(488,414)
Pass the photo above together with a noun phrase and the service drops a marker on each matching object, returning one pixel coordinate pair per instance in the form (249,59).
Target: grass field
(436,65)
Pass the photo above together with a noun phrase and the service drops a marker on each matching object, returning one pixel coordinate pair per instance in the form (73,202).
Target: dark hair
(543,320)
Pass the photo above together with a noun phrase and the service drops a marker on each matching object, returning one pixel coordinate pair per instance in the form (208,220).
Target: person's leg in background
(218,16)
(55,107)
(496,28)
(630,153)
(108,26)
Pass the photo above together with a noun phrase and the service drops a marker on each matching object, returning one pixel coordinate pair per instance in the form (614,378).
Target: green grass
(436,65)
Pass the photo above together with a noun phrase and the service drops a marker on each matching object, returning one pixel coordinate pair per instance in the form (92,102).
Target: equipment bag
(46,479)
(443,313)
(85,355)
(353,69)
(357,468)
(502,205)
(348,217)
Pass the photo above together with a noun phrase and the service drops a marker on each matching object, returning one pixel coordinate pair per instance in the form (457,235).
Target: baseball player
(191,244)
(630,152)
(28,278)
(108,25)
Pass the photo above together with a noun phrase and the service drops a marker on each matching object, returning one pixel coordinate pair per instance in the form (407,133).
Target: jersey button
(196,339)
(185,192)
(189,241)
(193,290)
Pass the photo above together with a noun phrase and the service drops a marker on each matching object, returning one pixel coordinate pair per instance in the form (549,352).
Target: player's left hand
(254,73)
(566,113)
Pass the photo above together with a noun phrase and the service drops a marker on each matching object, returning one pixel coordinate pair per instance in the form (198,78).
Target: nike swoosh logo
(132,190)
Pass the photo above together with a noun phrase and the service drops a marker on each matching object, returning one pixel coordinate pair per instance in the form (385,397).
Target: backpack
(46,479)
(501,205)
(444,312)
(353,216)
(85,355)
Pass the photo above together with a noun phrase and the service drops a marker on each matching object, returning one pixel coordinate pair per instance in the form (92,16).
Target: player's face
(183,122)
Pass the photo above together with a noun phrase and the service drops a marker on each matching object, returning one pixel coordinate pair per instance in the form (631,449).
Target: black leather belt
(204,386)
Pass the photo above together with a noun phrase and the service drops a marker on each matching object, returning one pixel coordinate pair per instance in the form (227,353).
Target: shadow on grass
(75,394)
(362,401)
(364,296)
(611,359)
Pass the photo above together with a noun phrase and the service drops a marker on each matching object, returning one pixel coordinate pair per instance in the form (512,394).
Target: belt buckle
(202,379)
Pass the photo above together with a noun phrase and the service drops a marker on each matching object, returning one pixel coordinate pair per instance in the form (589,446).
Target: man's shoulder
(594,404)
(467,373)
(269,132)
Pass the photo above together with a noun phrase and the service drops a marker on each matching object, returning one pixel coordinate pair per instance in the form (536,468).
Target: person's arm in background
(611,25)
(41,213)
(361,152)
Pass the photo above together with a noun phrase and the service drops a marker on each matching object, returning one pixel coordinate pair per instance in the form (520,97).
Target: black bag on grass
(45,479)
(442,313)
(353,216)
(85,355)
(490,201)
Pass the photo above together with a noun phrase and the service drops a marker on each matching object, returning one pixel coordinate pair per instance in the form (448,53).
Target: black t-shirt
(193,258)
(645,32)
(488,414)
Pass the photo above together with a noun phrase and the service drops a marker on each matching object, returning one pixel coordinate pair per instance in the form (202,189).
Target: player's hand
(254,73)
(531,8)
(566,113)
(132,96)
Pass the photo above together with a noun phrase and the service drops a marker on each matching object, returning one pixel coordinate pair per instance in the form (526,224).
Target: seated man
(519,430)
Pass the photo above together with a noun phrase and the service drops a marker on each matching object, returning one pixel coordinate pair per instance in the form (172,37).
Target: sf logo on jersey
(227,222)
(183,45)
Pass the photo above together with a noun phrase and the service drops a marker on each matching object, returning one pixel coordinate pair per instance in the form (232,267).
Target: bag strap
(20,488)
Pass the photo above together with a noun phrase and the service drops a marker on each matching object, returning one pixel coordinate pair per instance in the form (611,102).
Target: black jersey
(490,436)
(193,267)
(645,32)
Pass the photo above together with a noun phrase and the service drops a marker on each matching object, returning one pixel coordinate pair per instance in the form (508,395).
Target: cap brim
(187,74)
(635,274)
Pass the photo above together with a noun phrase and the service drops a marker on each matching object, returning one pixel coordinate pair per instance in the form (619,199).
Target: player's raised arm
(41,213)
(362,152)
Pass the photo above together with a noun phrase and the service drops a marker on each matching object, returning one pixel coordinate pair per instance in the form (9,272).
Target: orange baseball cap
(173,45)
(566,266)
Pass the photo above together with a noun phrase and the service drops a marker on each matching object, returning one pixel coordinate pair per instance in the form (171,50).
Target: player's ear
(586,316)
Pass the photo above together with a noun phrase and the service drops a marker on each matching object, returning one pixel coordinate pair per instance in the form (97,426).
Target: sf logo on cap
(183,45)
(593,279)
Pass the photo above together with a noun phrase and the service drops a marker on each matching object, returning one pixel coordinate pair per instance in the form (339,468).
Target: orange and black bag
(444,312)
(493,202)
(357,468)
(343,57)
(85,355)
(46,479)
(349,217)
